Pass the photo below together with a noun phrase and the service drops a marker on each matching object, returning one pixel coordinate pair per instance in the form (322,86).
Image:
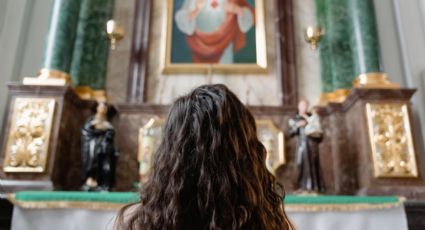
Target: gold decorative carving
(87,93)
(29,133)
(149,139)
(374,80)
(390,136)
(273,140)
(337,96)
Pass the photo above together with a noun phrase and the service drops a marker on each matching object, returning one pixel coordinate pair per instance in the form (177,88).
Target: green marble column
(335,51)
(324,48)
(61,35)
(338,33)
(91,47)
(364,40)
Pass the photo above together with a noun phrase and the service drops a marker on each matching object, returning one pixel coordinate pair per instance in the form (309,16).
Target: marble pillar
(350,45)
(61,35)
(335,50)
(91,48)
(339,44)
(364,40)
(324,48)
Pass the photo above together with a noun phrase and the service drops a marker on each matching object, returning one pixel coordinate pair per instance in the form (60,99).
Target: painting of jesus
(216,34)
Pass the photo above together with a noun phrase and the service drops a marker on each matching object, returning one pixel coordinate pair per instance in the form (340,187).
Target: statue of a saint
(98,152)
(308,129)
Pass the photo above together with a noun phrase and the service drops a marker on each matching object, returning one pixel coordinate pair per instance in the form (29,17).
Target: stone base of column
(87,93)
(49,77)
(374,80)
(337,96)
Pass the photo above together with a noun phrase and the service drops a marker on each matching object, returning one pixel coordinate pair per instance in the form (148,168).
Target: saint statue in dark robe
(307,127)
(98,152)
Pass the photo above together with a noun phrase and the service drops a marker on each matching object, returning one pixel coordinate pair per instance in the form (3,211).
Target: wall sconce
(312,35)
(115,32)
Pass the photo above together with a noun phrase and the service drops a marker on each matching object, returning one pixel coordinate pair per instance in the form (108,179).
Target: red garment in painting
(209,47)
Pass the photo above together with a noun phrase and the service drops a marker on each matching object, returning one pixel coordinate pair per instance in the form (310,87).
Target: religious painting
(225,36)
(273,140)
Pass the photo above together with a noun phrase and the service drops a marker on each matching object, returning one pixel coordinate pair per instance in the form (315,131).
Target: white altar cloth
(71,219)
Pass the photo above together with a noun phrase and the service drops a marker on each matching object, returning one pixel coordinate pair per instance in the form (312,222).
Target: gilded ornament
(273,140)
(28,140)
(390,136)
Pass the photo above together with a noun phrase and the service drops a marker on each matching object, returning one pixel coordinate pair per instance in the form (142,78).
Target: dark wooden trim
(49,91)
(137,79)
(273,110)
(367,94)
(129,108)
(285,52)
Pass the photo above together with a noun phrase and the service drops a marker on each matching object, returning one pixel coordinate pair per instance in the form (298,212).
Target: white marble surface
(252,89)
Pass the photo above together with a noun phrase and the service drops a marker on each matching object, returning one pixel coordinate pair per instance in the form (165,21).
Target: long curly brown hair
(209,171)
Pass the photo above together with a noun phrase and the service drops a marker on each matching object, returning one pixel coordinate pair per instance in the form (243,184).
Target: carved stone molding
(390,136)
(29,136)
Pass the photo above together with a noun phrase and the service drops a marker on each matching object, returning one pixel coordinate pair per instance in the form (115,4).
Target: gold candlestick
(115,32)
(312,35)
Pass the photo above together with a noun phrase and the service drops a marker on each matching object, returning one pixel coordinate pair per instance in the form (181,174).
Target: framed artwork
(224,36)
(149,140)
(285,55)
(274,141)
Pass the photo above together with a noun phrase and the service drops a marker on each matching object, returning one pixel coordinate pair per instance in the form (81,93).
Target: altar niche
(284,55)
(346,162)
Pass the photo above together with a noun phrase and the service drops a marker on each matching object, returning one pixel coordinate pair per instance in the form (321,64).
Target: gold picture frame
(260,65)
(273,140)
(28,140)
(149,139)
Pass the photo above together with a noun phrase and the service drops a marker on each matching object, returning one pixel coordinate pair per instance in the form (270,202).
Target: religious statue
(215,29)
(98,152)
(307,127)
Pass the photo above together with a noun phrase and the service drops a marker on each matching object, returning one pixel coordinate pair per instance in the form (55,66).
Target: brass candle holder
(312,35)
(115,32)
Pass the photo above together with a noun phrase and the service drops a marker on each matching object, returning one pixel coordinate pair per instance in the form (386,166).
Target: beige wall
(23,26)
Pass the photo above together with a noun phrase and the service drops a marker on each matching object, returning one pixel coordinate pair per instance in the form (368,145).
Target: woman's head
(209,171)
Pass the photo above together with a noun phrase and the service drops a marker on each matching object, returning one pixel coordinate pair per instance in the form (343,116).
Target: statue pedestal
(41,138)
(372,147)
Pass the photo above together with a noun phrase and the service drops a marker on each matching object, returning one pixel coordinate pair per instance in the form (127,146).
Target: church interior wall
(402,53)
(23,26)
